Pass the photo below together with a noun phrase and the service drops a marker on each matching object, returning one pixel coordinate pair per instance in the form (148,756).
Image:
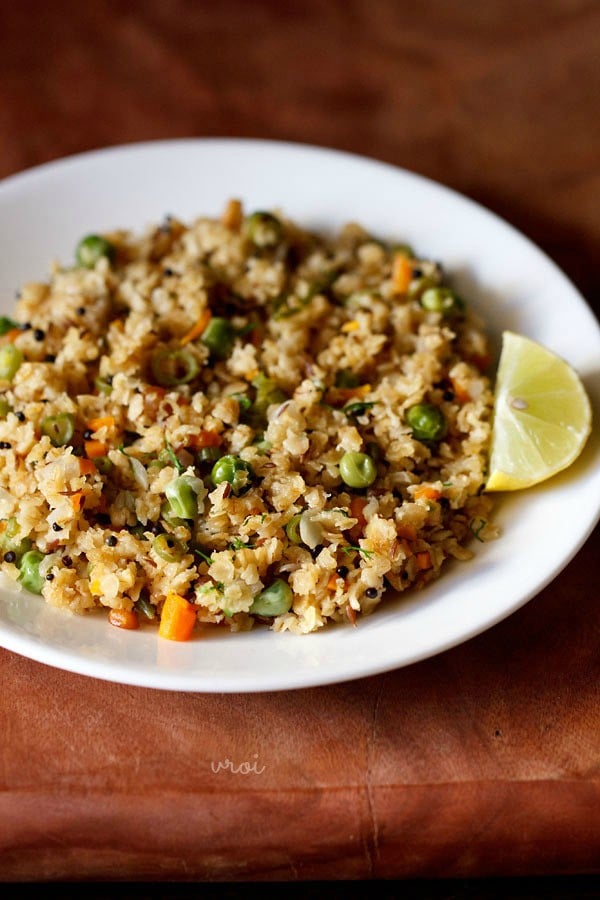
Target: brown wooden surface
(482,761)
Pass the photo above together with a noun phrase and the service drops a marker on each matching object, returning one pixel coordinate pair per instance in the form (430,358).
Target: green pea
(167,514)
(263,229)
(426,421)
(92,248)
(182,498)
(234,470)
(357,469)
(442,300)
(173,367)
(168,547)
(59,429)
(292,529)
(7,325)
(5,407)
(29,571)
(219,337)
(10,361)
(274,600)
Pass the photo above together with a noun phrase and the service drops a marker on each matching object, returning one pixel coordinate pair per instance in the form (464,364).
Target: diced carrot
(95,448)
(86,466)
(408,551)
(204,439)
(10,336)
(124,618)
(402,269)
(101,422)
(423,559)
(333,582)
(460,392)
(360,391)
(198,328)
(177,619)
(76,500)
(347,327)
(357,506)
(337,395)
(233,215)
(257,336)
(408,532)
(426,492)
(481,360)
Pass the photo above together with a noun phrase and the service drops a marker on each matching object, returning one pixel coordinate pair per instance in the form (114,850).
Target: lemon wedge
(542,415)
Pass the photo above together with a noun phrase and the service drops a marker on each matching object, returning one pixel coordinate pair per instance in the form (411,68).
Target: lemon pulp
(542,415)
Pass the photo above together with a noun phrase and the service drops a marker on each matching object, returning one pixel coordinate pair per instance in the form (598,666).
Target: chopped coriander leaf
(350,548)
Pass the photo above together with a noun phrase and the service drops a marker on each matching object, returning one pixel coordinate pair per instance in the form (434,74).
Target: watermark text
(242,768)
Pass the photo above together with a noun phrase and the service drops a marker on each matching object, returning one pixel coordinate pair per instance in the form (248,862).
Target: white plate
(43,213)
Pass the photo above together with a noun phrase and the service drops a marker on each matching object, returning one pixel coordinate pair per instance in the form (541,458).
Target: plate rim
(78,664)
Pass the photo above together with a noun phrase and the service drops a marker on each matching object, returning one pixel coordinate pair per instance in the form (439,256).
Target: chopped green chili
(174,367)
(292,529)
(145,607)
(219,337)
(441,300)
(169,547)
